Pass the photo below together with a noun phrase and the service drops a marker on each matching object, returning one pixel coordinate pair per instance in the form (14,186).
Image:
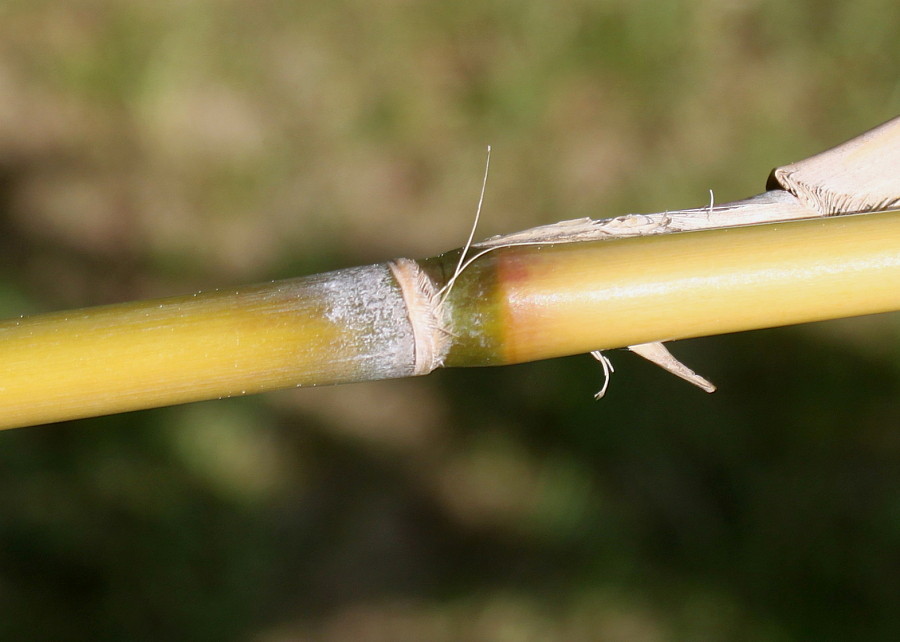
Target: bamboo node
(423,308)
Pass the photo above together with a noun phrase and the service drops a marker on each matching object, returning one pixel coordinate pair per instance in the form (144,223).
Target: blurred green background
(153,148)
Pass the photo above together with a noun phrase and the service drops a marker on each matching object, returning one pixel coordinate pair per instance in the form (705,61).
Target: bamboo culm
(569,288)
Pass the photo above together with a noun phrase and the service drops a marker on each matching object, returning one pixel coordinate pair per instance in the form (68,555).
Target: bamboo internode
(570,299)
(336,327)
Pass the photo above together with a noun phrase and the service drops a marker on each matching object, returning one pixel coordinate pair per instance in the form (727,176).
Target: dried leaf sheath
(861,175)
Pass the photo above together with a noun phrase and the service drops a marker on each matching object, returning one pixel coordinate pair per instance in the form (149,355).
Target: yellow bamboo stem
(514,304)
(574,298)
(546,292)
(336,327)
(570,299)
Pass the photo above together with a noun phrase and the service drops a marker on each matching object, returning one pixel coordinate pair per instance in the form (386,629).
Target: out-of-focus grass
(153,148)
